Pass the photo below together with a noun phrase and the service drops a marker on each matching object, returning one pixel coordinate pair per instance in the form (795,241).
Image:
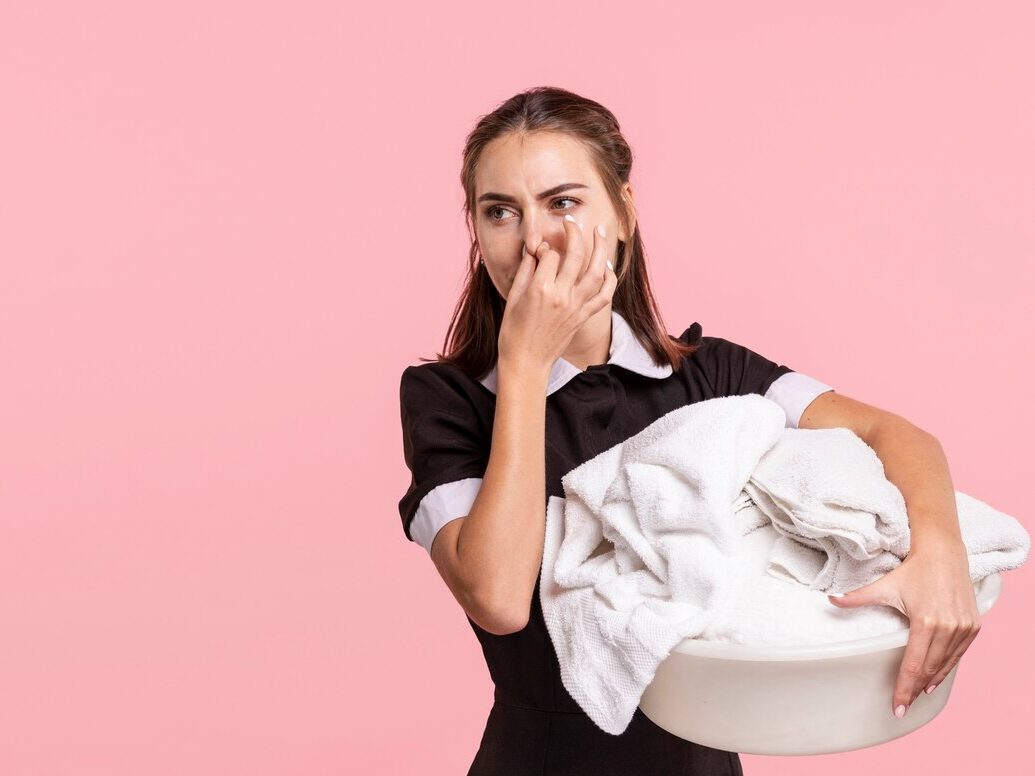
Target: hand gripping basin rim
(793,700)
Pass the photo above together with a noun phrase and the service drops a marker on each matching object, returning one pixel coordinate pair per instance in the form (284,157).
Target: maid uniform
(534,725)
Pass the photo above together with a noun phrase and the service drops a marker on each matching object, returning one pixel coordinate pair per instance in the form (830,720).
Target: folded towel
(842,524)
(665,500)
(825,493)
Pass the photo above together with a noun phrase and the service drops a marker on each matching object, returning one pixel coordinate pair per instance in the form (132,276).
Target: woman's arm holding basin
(932,587)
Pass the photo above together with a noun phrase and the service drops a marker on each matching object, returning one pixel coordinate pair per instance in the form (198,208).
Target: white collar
(626,351)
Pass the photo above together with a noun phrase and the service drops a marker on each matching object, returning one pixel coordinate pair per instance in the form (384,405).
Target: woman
(558,353)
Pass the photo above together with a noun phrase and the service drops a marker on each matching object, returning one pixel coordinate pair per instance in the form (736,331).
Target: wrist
(935,541)
(524,370)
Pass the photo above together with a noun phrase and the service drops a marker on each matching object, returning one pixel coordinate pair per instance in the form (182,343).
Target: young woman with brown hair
(556,352)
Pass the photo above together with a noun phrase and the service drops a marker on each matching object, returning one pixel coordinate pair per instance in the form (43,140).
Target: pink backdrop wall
(226,228)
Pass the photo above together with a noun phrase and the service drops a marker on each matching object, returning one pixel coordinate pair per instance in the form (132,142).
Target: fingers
(965,637)
(548,260)
(931,653)
(911,671)
(574,252)
(607,291)
(597,263)
(523,276)
(942,645)
(588,273)
(599,272)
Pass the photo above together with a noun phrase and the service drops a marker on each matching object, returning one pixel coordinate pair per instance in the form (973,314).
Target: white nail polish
(568,217)
(610,266)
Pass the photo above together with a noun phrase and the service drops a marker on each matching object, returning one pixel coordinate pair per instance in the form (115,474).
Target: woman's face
(524,186)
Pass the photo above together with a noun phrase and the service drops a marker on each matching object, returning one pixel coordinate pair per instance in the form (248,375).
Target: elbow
(486,598)
(500,609)
(512,624)
(896,427)
(506,627)
(502,620)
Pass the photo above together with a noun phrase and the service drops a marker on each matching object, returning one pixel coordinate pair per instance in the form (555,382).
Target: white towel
(665,499)
(843,524)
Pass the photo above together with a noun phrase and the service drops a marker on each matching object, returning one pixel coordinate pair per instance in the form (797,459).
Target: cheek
(501,269)
(494,243)
(501,253)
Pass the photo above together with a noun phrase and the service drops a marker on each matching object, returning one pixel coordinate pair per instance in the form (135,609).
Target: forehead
(518,162)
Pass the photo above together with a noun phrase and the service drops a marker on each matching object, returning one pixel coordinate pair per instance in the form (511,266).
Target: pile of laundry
(654,538)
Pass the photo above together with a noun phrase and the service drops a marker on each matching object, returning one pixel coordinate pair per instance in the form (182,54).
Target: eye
(489,211)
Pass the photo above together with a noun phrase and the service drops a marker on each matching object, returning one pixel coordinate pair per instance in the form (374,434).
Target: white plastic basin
(792,700)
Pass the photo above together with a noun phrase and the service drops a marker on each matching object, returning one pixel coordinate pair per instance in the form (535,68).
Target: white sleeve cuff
(794,392)
(442,504)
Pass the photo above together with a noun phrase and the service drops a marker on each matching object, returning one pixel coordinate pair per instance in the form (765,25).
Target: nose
(547,228)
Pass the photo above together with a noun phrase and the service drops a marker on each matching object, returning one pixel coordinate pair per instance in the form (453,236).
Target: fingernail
(900,711)
(930,689)
(610,266)
(568,217)
(601,231)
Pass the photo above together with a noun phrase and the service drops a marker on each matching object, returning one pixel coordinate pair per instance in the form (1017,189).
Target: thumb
(867,595)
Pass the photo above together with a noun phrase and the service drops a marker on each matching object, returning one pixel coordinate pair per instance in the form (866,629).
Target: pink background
(226,228)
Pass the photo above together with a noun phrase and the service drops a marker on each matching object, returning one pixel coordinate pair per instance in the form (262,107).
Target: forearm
(915,462)
(501,541)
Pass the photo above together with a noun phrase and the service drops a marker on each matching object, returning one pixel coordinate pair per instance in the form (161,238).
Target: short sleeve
(446,449)
(734,370)
(794,391)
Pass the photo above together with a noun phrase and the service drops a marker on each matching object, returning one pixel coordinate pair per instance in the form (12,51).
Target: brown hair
(473,334)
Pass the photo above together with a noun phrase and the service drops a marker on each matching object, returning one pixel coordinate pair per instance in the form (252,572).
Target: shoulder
(728,367)
(709,347)
(440,385)
(434,375)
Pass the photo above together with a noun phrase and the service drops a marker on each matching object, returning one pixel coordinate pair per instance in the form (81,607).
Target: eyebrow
(548,193)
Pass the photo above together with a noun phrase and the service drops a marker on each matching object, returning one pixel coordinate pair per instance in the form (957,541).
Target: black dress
(534,725)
